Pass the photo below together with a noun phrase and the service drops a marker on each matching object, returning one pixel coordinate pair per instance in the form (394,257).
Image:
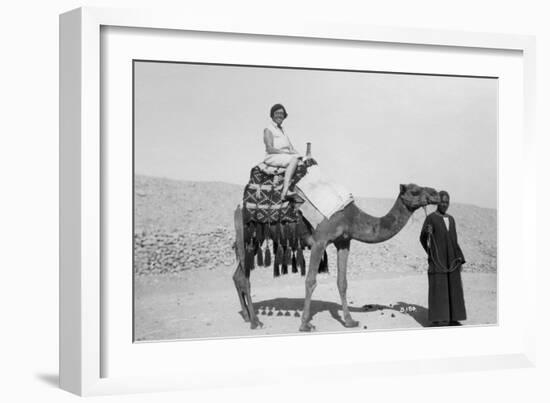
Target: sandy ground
(203,303)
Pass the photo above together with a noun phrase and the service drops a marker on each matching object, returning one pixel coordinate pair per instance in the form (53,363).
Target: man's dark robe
(445,259)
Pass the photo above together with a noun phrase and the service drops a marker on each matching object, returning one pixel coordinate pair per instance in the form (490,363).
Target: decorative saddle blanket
(262,201)
(271,223)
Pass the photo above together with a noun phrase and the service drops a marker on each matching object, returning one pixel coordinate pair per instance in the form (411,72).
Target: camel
(351,223)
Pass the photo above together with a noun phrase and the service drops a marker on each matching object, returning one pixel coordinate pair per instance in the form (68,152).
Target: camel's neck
(369,229)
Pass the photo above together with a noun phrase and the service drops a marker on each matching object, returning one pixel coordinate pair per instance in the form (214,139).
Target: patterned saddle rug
(262,201)
(273,223)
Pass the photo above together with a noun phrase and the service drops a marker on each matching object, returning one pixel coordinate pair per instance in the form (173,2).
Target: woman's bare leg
(289,173)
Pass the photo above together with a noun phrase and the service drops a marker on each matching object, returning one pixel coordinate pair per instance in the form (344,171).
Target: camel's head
(415,196)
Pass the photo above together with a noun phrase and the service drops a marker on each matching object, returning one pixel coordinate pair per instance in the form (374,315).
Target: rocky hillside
(186,225)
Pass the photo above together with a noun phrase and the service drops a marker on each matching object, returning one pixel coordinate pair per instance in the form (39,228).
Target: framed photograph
(242,201)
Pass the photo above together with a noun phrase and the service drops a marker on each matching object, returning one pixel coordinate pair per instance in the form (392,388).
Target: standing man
(445,259)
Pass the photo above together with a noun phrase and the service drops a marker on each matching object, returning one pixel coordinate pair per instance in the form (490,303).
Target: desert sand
(184,264)
(204,303)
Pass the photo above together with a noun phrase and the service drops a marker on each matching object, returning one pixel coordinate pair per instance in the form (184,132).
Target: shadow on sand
(293,307)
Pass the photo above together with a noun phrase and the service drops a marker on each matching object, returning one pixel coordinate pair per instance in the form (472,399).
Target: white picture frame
(83,178)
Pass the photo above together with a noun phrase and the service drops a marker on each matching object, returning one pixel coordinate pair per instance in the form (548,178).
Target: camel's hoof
(307,327)
(351,323)
(254,324)
(245,316)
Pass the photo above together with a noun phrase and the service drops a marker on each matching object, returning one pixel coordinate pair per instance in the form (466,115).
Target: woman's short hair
(276,107)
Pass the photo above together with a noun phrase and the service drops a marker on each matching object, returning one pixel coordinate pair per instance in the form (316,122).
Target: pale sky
(369,131)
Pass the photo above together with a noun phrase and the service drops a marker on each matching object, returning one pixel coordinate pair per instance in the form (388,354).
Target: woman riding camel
(279,150)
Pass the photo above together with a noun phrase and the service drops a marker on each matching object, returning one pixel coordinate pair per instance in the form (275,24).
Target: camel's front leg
(342,281)
(317,251)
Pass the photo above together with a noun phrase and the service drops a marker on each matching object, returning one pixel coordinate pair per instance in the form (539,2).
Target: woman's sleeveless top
(280,139)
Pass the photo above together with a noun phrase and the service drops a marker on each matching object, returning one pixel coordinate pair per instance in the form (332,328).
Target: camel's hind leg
(254,321)
(242,282)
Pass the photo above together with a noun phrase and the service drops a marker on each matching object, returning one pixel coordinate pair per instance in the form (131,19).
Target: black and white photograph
(272,200)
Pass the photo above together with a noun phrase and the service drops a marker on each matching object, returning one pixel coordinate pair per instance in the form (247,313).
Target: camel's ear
(402,189)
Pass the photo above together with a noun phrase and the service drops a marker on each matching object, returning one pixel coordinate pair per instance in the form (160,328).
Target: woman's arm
(268,141)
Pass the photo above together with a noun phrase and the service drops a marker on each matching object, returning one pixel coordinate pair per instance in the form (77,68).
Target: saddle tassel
(281,259)
(279,237)
(292,238)
(260,233)
(248,260)
(286,233)
(267,259)
(246,233)
(276,272)
(323,267)
(288,255)
(267,232)
(294,263)
(273,232)
(276,250)
(260,257)
(250,233)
